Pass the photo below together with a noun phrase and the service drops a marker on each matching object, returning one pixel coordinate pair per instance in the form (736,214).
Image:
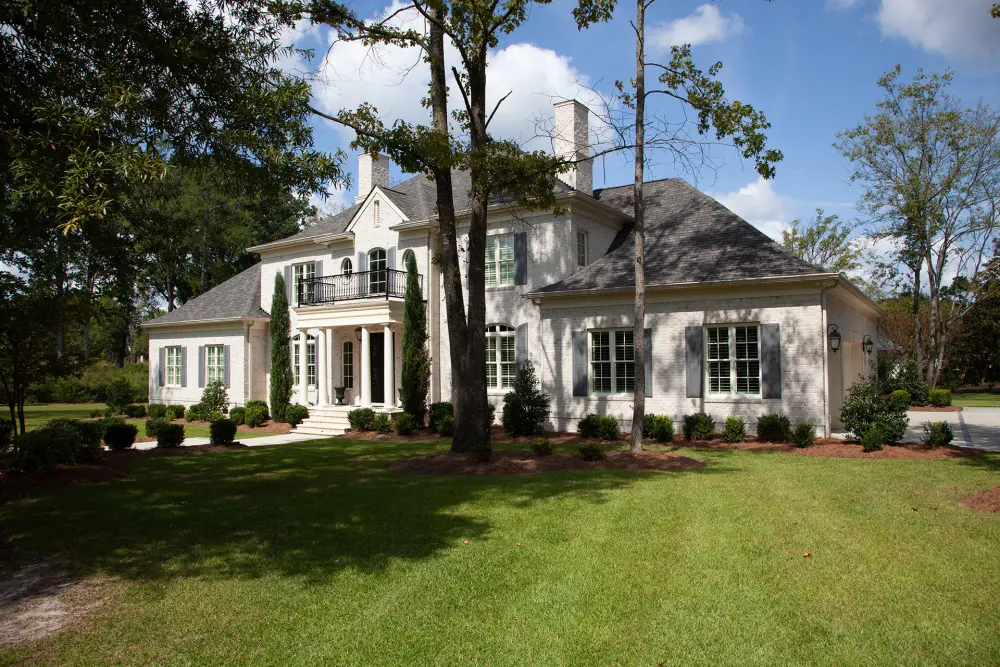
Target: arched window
(347,266)
(347,365)
(407,254)
(310,359)
(376,271)
(501,361)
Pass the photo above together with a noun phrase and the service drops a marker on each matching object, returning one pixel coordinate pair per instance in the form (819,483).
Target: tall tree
(931,169)
(825,241)
(416,372)
(282,378)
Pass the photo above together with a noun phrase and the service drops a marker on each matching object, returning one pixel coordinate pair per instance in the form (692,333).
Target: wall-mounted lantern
(357,333)
(868,344)
(833,335)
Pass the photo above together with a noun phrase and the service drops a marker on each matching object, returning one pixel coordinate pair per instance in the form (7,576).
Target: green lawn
(317,554)
(977,400)
(37,415)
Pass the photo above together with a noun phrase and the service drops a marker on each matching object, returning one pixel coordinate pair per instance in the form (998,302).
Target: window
(377,212)
(581,248)
(347,365)
(304,292)
(499,261)
(173,374)
(376,268)
(407,254)
(733,359)
(310,359)
(347,267)
(612,361)
(214,363)
(501,362)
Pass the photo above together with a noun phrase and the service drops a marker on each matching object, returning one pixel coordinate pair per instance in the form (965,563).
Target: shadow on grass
(990,462)
(295,510)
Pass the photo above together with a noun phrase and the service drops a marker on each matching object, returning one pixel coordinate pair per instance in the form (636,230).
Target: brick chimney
(373,171)
(572,141)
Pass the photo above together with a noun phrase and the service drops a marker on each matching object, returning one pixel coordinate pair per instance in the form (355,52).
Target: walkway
(283,439)
(978,428)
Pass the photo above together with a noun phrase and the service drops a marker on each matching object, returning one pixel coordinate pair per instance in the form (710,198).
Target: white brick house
(735,324)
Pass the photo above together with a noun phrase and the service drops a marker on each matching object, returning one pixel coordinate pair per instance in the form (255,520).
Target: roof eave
(812,277)
(153,324)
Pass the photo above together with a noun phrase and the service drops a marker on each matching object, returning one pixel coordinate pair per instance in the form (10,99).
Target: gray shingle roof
(237,298)
(690,237)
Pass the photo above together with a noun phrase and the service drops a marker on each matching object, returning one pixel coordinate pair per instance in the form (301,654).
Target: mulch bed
(269,428)
(840,449)
(527,463)
(987,501)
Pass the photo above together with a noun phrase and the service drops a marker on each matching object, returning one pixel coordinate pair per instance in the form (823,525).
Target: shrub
(735,429)
(937,434)
(196,412)
(864,407)
(541,446)
(6,434)
(699,426)
(222,431)
(262,405)
(526,406)
(136,410)
(491,415)
(405,424)
(175,411)
(170,435)
(587,428)
(254,416)
(940,397)
(662,428)
(873,438)
(69,390)
(648,420)
(88,436)
(238,415)
(912,380)
(951,379)
(153,426)
(774,428)
(437,412)
(901,396)
(119,395)
(294,414)
(98,413)
(446,425)
(361,419)
(156,410)
(57,442)
(591,452)
(119,437)
(608,428)
(804,434)
(215,398)
(382,423)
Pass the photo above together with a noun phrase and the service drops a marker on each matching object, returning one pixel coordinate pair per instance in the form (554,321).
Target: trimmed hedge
(170,435)
(804,434)
(294,414)
(438,411)
(699,426)
(222,431)
(735,429)
(604,427)
(175,411)
(361,419)
(119,437)
(257,403)
(405,424)
(238,415)
(774,428)
(156,410)
(254,416)
(135,411)
(937,434)
(153,426)
(940,397)
(382,423)
(60,441)
(541,447)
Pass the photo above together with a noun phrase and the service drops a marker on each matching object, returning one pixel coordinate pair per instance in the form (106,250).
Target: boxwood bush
(699,426)
(361,419)
(940,397)
(901,396)
(382,423)
(735,429)
(238,415)
(446,425)
(170,435)
(438,411)
(774,428)
(873,437)
(136,410)
(662,428)
(196,413)
(591,452)
(405,424)
(222,431)
(156,410)
(153,426)
(804,434)
(175,411)
(541,446)
(604,427)
(254,416)
(937,434)
(262,405)
(294,414)
(119,437)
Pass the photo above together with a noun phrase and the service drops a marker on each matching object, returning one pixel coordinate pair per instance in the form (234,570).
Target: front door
(378,377)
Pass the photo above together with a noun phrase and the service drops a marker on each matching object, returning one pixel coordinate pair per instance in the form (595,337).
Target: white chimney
(373,172)
(572,142)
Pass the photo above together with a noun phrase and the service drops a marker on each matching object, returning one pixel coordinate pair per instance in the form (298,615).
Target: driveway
(973,427)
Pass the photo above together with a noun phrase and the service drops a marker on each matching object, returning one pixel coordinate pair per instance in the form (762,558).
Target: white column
(388,374)
(366,368)
(321,369)
(303,366)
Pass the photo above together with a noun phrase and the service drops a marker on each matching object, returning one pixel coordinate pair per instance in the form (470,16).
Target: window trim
(220,351)
(733,392)
(378,279)
(310,343)
(625,391)
(498,332)
(297,277)
(347,363)
(166,366)
(406,253)
(496,262)
(586,248)
(346,266)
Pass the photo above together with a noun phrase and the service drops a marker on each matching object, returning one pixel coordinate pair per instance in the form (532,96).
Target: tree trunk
(86,338)
(918,353)
(639,320)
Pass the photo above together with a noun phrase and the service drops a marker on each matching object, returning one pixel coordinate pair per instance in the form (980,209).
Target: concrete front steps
(326,421)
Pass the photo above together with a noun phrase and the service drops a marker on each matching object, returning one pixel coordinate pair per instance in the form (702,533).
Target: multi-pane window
(347,266)
(347,365)
(407,256)
(214,363)
(304,291)
(612,361)
(310,359)
(173,371)
(499,261)
(376,268)
(581,248)
(733,359)
(501,357)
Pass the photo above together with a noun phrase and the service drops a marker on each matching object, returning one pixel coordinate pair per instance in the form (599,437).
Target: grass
(977,400)
(318,554)
(36,416)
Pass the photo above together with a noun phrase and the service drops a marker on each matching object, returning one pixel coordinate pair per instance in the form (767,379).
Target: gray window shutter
(693,358)
(201,365)
(580,383)
(647,339)
(390,258)
(289,294)
(521,258)
(521,345)
(162,369)
(225,364)
(361,261)
(184,366)
(770,343)
(319,268)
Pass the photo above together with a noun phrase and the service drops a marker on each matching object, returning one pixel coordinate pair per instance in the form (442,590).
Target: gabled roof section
(690,238)
(236,299)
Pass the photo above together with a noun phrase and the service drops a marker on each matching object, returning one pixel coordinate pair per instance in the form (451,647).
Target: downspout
(247,361)
(827,425)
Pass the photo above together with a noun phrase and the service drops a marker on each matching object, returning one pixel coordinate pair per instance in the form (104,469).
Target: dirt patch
(839,449)
(526,463)
(935,408)
(41,599)
(987,501)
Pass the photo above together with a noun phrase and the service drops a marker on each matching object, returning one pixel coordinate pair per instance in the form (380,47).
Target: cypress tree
(281,362)
(416,359)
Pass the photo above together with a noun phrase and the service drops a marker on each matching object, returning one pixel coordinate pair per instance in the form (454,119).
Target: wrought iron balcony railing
(386,283)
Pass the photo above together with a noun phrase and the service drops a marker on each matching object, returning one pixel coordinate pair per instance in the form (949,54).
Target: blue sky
(810,65)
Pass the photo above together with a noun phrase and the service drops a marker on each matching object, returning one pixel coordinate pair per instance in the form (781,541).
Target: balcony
(386,283)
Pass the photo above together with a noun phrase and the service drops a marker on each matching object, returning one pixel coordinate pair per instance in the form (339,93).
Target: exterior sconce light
(868,344)
(357,333)
(833,334)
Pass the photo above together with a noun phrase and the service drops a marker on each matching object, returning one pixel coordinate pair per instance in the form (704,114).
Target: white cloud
(761,206)
(706,25)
